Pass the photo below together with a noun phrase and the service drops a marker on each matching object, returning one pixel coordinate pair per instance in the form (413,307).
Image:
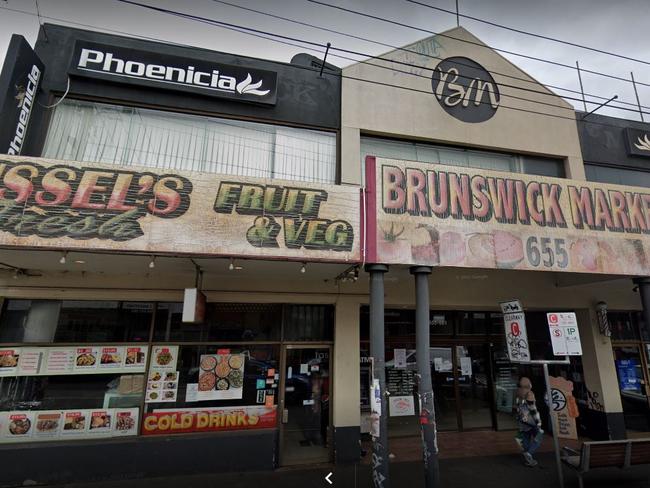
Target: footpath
(503,471)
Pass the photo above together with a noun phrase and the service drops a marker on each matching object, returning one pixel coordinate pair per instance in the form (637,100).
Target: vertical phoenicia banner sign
(515,330)
(20,80)
(565,338)
(441,215)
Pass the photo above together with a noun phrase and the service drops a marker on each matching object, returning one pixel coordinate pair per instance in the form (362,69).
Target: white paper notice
(400,358)
(437,364)
(563,328)
(289,372)
(48,424)
(164,357)
(191,391)
(466,366)
(401,406)
(304,368)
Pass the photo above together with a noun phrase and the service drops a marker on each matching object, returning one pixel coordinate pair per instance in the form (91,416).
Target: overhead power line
(314,49)
(431,56)
(532,34)
(526,56)
(357,53)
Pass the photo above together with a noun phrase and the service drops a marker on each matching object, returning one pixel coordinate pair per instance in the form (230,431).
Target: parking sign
(563,328)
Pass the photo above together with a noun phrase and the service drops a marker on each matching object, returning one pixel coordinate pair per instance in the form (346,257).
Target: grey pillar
(380,475)
(644,293)
(422,345)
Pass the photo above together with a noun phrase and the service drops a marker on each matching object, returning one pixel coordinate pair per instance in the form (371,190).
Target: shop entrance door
(305,387)
(462,387)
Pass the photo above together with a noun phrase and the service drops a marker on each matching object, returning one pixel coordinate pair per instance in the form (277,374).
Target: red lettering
(416,200)
(14,181)
(120,191)
(167,195)
(581,207)
(482,211)
(394,195)
(532,199)
(635,211)
(88,186)
(460,196)
(552,209)
(603,216)
(619,210)
(502,193)
(438,193)
(55,185)
(522,208)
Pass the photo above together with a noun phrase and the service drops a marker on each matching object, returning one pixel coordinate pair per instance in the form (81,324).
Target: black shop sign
(152,69)
(465,89)
(638,142)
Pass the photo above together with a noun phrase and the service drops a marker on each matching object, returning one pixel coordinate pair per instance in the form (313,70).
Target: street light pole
(427,408)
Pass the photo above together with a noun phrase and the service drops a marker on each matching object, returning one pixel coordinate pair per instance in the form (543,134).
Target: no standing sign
(563,328)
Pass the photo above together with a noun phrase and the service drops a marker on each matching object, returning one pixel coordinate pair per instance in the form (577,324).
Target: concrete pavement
(505,471)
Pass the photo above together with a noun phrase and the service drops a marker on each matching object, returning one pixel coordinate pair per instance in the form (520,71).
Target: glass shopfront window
(89,369)
(126,136)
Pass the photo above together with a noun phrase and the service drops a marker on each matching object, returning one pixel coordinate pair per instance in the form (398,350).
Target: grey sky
(620,27)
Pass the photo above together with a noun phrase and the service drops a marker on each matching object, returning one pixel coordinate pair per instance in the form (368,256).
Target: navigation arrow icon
(327,478)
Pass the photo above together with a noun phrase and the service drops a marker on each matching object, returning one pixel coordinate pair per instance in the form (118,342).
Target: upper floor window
(125,136)
(430,153)
(617,175)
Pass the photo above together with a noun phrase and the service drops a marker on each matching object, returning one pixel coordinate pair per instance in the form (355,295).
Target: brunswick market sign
(438,215)
(63,205)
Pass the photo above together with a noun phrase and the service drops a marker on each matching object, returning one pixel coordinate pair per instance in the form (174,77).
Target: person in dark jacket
(530,433)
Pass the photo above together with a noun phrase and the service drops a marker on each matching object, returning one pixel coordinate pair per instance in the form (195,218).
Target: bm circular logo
(465,89)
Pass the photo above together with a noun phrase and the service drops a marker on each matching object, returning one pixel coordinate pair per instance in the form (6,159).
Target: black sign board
(465,89)
(146,68)
(20,80)
(638,142)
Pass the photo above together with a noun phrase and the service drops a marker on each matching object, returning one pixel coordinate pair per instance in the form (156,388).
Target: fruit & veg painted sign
(64,205)
(438,215)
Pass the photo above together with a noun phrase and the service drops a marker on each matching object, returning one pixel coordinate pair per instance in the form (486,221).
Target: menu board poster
(100,422)
(221,377)
(59,361)
(9,361)
(47,424)
(86,358)
(31,360)
(18,426)
(125,421)
(135,357)
(111,357)
(75,422)
(164,357)
(162,386)
(173,421)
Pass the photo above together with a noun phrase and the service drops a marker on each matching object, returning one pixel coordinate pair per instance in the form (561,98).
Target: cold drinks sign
(565,339)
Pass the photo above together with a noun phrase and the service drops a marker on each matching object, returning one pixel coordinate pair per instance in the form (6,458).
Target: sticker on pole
(565,339)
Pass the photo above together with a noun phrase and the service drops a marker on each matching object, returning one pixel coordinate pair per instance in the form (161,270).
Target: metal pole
(380,474)
(582,90)
(422,345)
(636,93)
(556,444)
(600,106)
(457,15)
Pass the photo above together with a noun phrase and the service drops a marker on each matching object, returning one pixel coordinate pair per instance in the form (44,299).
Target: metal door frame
(281,392)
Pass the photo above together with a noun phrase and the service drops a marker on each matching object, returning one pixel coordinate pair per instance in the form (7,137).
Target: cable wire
(526,56)
(321,51)
(411,51)
(280,36)
(532,34)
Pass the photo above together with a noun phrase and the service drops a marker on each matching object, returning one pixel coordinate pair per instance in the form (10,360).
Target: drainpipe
(422,345)
(380,474)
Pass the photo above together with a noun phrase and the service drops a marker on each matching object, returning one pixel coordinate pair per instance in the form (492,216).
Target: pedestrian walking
(530,433)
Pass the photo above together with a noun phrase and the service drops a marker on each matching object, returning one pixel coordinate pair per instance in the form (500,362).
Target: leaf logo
(246,87)
(644,144)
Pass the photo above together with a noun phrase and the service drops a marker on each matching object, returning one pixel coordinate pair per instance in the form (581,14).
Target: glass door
(444,387)
(632,386)
(474,391)
(305,405)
